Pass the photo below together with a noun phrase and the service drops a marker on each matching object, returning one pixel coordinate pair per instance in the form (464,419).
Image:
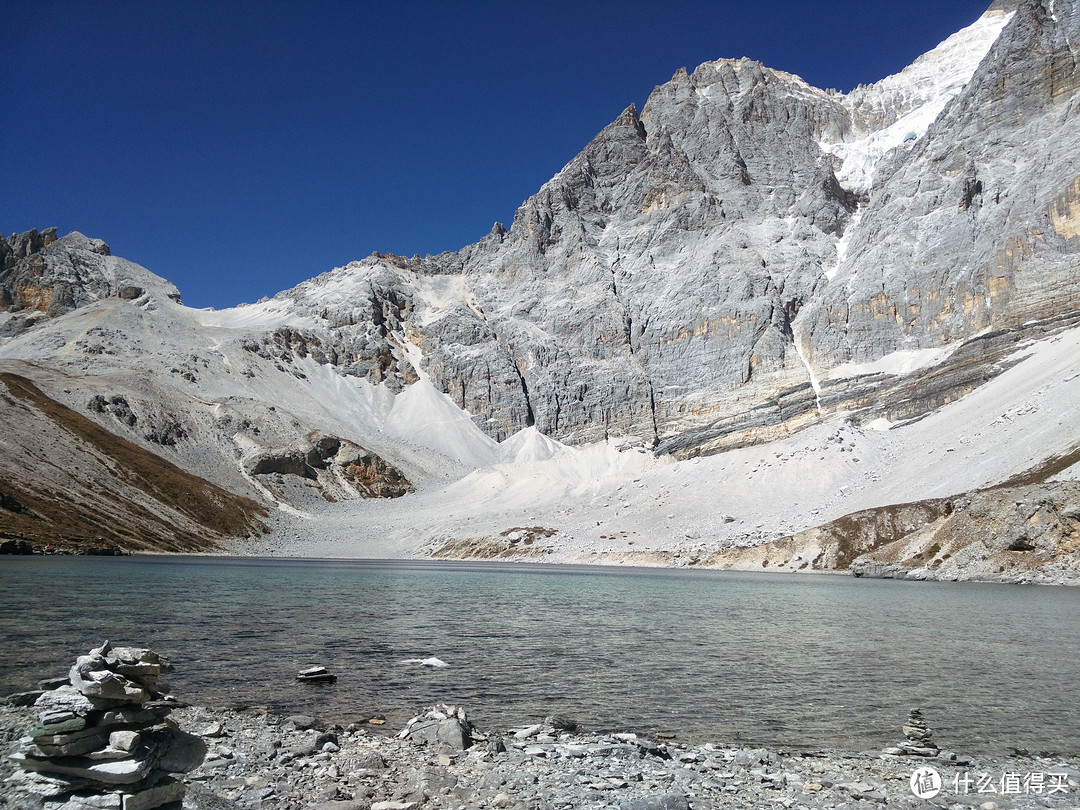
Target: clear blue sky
(238,148)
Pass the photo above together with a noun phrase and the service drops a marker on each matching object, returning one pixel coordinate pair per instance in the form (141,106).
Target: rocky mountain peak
(748,260)
(629,118)
(652,275)
(19,246)
(738,237)
(46,276)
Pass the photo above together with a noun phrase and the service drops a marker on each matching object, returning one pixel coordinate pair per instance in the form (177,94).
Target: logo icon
(926,783)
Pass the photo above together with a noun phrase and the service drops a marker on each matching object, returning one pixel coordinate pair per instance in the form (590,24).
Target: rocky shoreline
(258,759)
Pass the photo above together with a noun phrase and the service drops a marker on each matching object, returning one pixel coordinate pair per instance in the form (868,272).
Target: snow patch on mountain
(919,92)
(440,295)
(268,314)
(428,418)
(842,245)
(895,363)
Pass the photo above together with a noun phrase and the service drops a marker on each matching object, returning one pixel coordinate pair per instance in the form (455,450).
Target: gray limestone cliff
(694,265)
(45,276)
(976,227)
(715,265)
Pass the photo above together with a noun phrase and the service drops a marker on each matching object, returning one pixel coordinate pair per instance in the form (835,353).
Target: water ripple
(764,659)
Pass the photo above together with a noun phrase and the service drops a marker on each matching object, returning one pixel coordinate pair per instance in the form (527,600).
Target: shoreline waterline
(599,562)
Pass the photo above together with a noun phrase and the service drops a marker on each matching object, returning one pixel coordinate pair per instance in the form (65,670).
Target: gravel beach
(257,759)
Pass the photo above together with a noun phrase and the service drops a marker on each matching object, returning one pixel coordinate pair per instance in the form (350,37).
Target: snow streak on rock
(897,111)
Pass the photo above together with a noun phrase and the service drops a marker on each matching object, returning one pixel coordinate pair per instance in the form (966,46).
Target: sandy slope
(602,500)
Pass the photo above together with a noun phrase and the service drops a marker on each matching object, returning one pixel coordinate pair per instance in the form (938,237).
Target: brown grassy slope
(66,481)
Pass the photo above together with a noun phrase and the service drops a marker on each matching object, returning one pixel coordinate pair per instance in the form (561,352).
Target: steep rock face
(20,246)
(706,267)
(976,226)
(657,274)
(701,265)
(355,321)
(645,284)
(46,276)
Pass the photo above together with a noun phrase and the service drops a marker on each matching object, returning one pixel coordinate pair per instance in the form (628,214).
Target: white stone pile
(104,740)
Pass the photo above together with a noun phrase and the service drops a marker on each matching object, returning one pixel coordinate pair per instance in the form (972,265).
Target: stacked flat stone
(105,740)
(918,740)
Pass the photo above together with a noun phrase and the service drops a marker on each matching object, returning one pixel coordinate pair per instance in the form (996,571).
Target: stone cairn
(104,739)
(918,738)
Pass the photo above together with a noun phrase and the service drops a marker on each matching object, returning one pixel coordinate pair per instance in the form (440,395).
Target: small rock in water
(316,674)
(435,663)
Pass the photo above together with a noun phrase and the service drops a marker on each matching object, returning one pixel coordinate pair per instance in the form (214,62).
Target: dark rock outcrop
(374,477)
(332,463)
(21,246)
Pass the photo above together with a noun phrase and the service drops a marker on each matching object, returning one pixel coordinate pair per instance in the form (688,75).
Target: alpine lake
(784,661)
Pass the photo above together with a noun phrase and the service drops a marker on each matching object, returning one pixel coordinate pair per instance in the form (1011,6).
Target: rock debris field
(252,758)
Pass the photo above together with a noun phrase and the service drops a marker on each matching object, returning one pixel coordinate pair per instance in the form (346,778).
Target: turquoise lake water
(775,660)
